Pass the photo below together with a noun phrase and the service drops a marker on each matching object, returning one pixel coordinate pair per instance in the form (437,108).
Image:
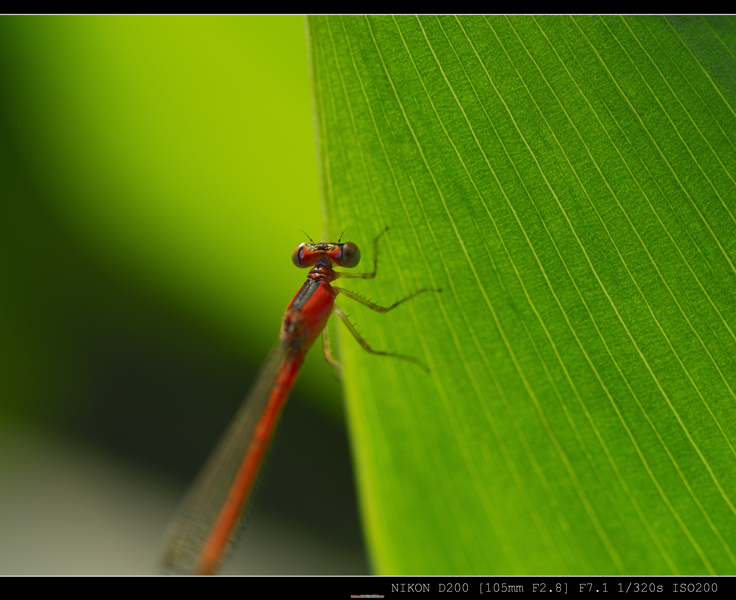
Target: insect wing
(201,508)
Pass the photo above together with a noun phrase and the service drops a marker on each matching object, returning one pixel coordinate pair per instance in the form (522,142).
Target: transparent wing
(200,509)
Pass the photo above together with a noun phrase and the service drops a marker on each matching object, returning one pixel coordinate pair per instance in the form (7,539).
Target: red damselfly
(200,535)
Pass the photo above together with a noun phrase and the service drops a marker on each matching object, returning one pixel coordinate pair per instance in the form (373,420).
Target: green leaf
(569,184)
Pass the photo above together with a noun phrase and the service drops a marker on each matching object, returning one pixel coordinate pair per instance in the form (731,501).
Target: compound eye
(300,256)
(349,255)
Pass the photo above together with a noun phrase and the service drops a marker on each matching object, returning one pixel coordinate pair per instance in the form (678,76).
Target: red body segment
(242,485)
(307,314)
(304,320)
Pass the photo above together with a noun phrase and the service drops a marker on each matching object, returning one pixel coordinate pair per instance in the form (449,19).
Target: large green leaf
(569,184)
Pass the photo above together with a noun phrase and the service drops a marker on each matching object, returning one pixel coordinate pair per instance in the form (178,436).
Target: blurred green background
(156,171)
